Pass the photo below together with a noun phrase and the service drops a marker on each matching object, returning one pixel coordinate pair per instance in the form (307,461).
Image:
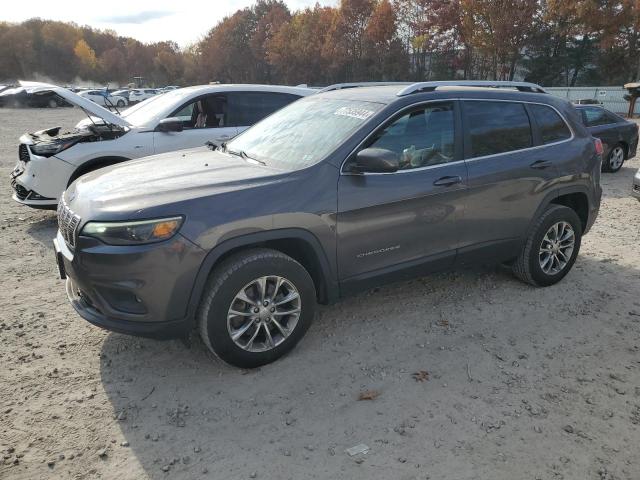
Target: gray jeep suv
(334,193)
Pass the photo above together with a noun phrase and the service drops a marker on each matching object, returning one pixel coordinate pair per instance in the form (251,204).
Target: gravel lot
(522,383)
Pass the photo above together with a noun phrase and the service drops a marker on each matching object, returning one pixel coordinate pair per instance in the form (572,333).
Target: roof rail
(341,86)
(431,86)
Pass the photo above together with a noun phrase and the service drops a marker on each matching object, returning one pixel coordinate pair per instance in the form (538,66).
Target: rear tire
(615,159)
(248,323)
(120,103)
(547,257)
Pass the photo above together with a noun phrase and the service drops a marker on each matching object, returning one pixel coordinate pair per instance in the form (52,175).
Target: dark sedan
(619,136)
(18,97)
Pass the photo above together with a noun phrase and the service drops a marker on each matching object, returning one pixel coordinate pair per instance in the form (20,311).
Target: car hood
(75,99)
(142,188)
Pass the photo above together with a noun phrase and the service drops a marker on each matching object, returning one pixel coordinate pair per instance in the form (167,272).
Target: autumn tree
(386,57)
(86,56)
(296,50)
(270,16)
(552,42)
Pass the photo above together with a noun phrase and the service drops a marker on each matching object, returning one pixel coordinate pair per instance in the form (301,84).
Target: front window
(304,132)
(161,104)
(421,138)
(205,112)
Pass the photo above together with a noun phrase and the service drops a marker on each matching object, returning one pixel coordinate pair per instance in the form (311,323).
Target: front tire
(615,159)
(551,249)
(256,307)
(120,103)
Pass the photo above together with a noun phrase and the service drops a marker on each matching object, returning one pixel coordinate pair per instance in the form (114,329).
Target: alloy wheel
(556,248)
(616,157)
(264,313)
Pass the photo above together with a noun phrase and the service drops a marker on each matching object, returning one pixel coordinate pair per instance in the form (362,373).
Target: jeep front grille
(67,223)
(23,153)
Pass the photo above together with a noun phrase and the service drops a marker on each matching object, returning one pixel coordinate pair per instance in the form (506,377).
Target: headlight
(48,149)
(133,233)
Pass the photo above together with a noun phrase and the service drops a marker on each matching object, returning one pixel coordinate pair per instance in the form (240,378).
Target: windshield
(150,110)
(304,132)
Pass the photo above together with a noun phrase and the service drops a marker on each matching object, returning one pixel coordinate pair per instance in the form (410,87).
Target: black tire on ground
(609,163)
(120,103)
(527,266)
(223,285)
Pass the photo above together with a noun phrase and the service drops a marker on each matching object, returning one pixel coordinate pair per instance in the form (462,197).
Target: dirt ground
(521,383)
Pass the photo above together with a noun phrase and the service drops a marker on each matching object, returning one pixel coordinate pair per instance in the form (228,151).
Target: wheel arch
(578,201)
(299,244)
(94,164)
(577,198)
(625,147)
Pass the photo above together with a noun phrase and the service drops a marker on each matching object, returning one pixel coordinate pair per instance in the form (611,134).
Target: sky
(184,21)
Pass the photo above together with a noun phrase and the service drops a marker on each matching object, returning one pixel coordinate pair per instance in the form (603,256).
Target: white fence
(612,98)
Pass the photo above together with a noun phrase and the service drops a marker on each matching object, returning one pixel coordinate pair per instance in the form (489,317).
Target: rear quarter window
(496,127)
(551,126)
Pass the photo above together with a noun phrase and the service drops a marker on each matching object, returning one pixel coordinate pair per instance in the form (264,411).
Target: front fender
(259,238)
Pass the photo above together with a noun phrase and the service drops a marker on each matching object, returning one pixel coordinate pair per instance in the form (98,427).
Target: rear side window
(247,108)
(552,127)
(496,127)
(594,116)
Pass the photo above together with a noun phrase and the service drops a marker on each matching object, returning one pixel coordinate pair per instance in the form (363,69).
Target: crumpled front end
(37,180)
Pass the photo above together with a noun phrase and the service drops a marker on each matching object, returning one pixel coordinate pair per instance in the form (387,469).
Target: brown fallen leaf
(420,376)
(368,395)
(443,323)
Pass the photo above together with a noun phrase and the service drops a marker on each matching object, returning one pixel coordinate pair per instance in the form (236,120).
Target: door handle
(541,164)
(448,181)
(224,137)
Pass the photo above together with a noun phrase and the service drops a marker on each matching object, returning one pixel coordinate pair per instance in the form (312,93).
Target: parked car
(104,98)
(140,94)
(619,136)
(336,192)
(122,93)
(18,97)
(635,188)
(587,101)
(49,160)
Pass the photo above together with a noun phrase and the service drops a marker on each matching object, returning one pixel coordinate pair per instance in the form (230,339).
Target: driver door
(204,119)
(409,218)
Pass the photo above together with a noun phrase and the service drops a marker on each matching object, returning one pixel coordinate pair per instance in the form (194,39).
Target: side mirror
(171,124)
(376,160)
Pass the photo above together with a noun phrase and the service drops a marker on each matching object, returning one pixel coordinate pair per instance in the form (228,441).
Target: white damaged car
(50,160)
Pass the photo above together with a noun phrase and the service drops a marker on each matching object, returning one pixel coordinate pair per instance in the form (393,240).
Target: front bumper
(39,181)
(635,187)
(139,290)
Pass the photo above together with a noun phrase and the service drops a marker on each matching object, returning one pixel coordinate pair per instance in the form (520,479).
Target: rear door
(248,108)
(204,119)
(393,221)
(512,168)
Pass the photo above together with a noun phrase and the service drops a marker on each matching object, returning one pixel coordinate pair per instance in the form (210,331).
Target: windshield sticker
(360,113)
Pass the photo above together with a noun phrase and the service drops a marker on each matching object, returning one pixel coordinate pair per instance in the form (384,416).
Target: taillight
(599,147)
